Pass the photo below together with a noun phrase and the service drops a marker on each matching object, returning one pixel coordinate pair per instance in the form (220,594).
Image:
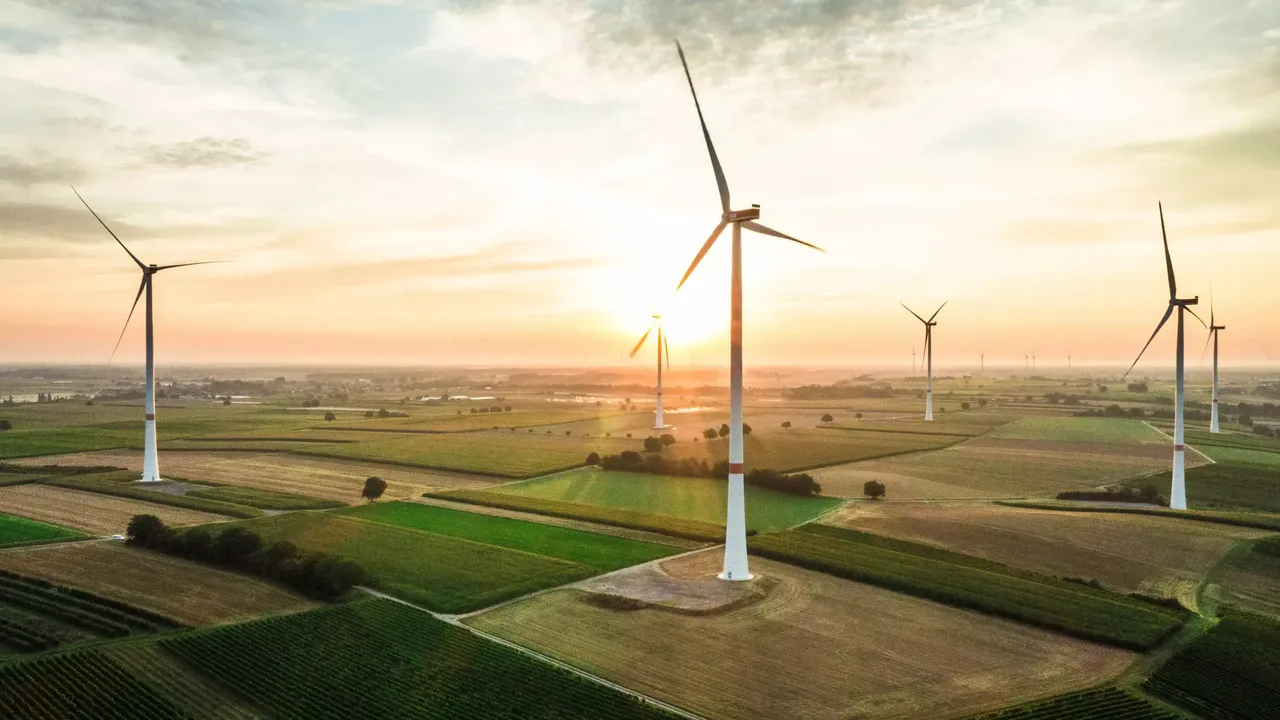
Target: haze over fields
(467,182)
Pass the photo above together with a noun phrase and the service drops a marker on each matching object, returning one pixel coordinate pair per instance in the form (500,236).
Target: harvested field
(339,480)
(910,658)
(1120,431)
(91,512)
(988,467)
(186,591)
(1157,556)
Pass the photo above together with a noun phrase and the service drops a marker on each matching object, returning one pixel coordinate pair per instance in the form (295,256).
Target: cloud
(205,153)
(27,173)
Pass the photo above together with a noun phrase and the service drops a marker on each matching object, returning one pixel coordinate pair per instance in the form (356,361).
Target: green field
(263,499)
(602,553)
(804,448)
(1248,457)
(1226,485)
(973,583)
(698,499)
(1231,672)
(1098,704)
(378,659)
(1079,430)
(446,574)
(84,685)
(21,531)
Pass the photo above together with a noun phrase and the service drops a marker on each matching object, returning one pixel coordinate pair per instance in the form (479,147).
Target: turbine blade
(935,312)
(666,348)
(1211,322)
(913,312)
(640,344)
(1208,338)
(757,227)
(141,287)
(1197,317)
(702,253)
(1168,261)
(721,183)
(206,262)
(1163,320)
(104,225)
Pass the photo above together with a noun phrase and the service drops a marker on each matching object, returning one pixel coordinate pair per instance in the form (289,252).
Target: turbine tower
(913,359)
(1214,330)
(1033,361)
(1026,362)
(1178,493)
(928,356)
(150,459)
(662,348)
(735,539)
(982,363)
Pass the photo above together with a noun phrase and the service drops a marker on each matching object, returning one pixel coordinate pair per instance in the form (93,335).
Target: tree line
(801,484)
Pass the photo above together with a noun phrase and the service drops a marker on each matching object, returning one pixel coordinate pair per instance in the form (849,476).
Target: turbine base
(745,578)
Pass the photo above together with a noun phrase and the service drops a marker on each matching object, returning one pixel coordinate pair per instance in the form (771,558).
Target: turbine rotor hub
(737,216)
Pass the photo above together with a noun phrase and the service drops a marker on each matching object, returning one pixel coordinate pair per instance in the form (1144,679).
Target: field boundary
(1170,438)
(1261,524)
(352,459)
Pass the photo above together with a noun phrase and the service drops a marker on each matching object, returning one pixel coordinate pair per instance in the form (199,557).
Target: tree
(667,439)
(6,425)
(235,545)
(330,416)
(746,429)
(652,444)
(226,401)
(146,530)
(627,401)
(964,406)
(857,416)
(710,434)
(724,430)
(459,413)
(593,458)
(786,423)
(507,408)
(827,418)
(982,402)
(872,489)
(633,407)
(1138,387)
(373,488)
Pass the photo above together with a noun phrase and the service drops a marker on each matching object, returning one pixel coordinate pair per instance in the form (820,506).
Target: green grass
(698,499)
(21,531)
(446,574)
(121,484)
(1098,704)
(602,553)
(1231,672)
(973,583)
(1226,485)
(1079,430)
(1254,457)
(617,517)
(378,659)
(263,499)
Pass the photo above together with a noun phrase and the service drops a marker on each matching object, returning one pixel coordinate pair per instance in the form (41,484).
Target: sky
(524,182)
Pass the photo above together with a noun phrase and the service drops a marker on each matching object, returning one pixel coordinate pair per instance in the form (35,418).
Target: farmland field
(599,552)
(975,583)
(1249,580)
(1231,672)
(340,480)
(1100,704)
(186,591)
(692,498)
(988,467)
(907,658)
(21,531)
(85,685)
(376,659)
(800,448)
(1131,553)
(1229,485)
(443,573)
(262,499)
(90,512)
(200,697)
(1081,430)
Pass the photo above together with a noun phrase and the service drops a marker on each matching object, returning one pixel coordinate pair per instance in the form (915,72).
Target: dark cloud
(24,173)
(204,153)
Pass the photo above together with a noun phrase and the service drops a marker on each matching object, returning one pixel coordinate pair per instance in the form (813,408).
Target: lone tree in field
(652,444)
(857,416)
(667,439)
(330,416)
(964,406)
(373,488)
(786,423)
(724,430)
(746,429)
(6,425)
(873,489)
(593,459)
(827,418)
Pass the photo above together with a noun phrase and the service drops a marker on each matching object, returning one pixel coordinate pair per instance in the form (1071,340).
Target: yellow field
(186,591)
(91,512)
(340,480)
(1131,553)
(814,647)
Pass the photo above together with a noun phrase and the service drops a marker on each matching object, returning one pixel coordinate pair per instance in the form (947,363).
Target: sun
(695,316)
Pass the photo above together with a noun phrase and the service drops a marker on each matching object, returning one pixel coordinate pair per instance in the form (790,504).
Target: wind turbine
(150,460)
(928,355)
(982,363)
(735,539)
(913,359)
(1068,359)
(1026,362)
(662,348)
(1214,329)
(1178,493)
(1033,361)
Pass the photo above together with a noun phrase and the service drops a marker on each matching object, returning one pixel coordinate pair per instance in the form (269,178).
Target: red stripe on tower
(735,468)
(151,416)
(1179,448)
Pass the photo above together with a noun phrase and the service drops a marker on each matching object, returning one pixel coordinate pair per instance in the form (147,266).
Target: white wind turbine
(1214,331)
(928,356)
(735,545)
(1178,492)
(150,459)
(663,350)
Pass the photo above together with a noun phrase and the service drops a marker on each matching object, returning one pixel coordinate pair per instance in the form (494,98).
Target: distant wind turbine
(1068,359)
(150,460)
(663,348)
(1033,361)
(1214,330)
(913,359)
(735,546)
(928,355)
(1026,362)
(1178,493)
(982,363)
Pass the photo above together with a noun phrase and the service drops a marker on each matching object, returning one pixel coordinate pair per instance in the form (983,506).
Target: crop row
(143,619)
(1098,704)
(86,686)
(378,658)
(105,486)
(24,639)
(1231,672)
(974,583)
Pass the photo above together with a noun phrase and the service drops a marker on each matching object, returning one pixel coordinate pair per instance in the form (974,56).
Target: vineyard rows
(85,686)
(1233,672)
(1099,704)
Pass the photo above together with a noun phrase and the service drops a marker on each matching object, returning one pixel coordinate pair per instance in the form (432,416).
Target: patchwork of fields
(21,531)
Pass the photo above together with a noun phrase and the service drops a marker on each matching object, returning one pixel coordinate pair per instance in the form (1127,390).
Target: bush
(330,416)
(786,423)
(827,418)
(874,490)
(373,488)
(667,439)
(746,429)
(724,430)
(711,434)
(964,406)
(1138,387)
(652,444)
(6,425)
(145,530)
(593,458)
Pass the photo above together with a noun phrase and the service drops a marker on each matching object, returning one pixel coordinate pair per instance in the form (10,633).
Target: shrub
(827,418)
(593,458)
(330,416)
(874,490)
(786,423)
(964,406)
(652,444)
(373,488)
(667,439)
(710,434)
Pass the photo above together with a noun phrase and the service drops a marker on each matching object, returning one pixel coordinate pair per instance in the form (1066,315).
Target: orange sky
(522,182)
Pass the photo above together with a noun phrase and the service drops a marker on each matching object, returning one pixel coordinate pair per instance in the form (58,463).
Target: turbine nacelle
(735,216)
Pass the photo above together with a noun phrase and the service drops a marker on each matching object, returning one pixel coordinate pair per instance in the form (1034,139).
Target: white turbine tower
(735,540)
(150,459)
(1214,330)
(928,356)
(1178,493)
(663,349)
